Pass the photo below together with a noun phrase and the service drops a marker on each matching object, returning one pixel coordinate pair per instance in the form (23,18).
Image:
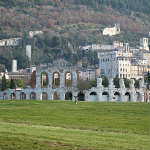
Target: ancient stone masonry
(61,84)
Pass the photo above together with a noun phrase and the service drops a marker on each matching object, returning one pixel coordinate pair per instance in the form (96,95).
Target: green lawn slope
(63,125)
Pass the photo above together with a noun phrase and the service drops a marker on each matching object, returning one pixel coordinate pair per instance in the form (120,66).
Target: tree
(136,84)
(12,84)
(105,81)
(127,83)
(4,87)
(19,83)
(85,85)
(116,82)
(147,80)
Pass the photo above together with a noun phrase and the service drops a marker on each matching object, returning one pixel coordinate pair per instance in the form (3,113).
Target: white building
(144,44)
(10,42)
(33,33)
(89,74)
(112,31)
(124,62)
(99,47)
(14,65)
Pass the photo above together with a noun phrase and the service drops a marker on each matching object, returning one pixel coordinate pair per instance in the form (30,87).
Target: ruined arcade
(61,84)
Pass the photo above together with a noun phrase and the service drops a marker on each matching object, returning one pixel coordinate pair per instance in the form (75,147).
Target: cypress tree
(4,87)
(12,84)
(105,81)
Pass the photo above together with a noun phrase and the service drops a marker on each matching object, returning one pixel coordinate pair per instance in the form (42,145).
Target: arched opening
(68,96)
(93,93)
(68,79)
(56,96)
(56,80)
(44,96)
(12,96)
(117,96)
(22,96)
(33,96)
(5,97)
(93,96)
(44,80)
(81,96)
(127,97)
(105,96)
(138,97)
(33,79)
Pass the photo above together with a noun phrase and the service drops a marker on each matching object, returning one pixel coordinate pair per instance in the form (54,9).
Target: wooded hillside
(68,24)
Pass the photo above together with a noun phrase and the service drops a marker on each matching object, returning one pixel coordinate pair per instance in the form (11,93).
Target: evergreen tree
(105,81)
(127,83)
(4,87)
(136,84)
(12,84)
(147,80)
(116,82)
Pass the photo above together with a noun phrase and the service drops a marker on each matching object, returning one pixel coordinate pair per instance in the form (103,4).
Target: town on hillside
(122,74)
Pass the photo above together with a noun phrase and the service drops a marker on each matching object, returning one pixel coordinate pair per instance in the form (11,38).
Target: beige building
(124,61)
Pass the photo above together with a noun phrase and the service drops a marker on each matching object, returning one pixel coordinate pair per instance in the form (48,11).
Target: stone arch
(68,96)
(44,80)
(81,96)
(56,80)
(93,96)
(105,96)
(12,96)
(44,96)
(22,96)
(127,97)
(68,79)
(138,97)
(117,96)
(5,96)
(56,96)
(32,96)
(93,93)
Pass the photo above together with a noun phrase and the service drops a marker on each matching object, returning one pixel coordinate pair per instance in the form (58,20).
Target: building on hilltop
(112,31)
(144,44)
(10,42)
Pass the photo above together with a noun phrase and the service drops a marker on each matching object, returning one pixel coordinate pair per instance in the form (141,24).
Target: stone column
(142,87)
(133,92)
(100,89)
(110,89)
(38,79)
(38,94)
(74,94)
(18,95)
(62,80)
(50,77)
(27,95)
(8,95)
(62,94)
(122,90)
(74,79)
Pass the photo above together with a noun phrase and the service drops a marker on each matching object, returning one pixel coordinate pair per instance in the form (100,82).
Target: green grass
(62,125)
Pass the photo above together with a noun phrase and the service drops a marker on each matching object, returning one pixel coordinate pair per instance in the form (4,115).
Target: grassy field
(62,125)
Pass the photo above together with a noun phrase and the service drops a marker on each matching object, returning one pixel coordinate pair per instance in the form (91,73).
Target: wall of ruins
(51,84)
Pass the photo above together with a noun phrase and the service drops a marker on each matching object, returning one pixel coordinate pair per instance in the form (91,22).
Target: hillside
(67,24)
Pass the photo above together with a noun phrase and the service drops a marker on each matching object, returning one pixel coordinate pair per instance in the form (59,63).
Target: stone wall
(46,90)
